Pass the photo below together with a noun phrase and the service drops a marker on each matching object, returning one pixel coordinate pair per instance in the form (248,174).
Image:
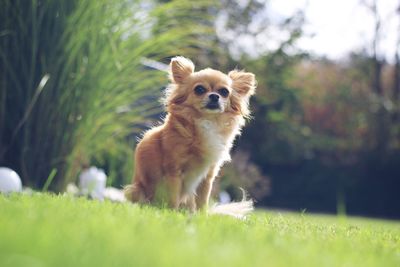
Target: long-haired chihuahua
(177,162)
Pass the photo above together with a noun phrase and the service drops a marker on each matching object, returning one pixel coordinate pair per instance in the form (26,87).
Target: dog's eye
(199,90)
(223,92)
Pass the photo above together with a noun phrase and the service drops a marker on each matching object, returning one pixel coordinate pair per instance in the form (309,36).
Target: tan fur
(177,162)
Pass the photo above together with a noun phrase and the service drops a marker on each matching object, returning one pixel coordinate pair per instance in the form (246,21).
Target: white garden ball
(92,182)
(9,181)
(224,197)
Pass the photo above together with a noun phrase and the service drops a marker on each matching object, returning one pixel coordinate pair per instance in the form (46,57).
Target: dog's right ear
(243,82)
(180,69)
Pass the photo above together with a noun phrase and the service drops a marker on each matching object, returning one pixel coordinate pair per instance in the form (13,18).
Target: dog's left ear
(180,69)
(243,83)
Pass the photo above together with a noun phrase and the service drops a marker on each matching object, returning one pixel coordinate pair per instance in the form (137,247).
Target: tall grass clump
(72,88)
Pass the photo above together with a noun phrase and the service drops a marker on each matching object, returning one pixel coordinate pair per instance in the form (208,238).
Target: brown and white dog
(177,162)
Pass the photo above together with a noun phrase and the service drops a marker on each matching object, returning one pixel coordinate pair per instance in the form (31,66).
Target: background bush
(72,80)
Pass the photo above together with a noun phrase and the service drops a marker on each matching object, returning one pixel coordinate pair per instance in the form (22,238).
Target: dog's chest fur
(215,142)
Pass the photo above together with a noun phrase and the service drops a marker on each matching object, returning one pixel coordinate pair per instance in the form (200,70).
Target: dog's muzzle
(213,102)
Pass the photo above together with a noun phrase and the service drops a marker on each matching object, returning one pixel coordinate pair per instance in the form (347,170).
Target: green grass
(45,230)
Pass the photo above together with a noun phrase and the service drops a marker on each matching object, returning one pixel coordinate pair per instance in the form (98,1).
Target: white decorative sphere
(224,197)
(9,181)
(92,182)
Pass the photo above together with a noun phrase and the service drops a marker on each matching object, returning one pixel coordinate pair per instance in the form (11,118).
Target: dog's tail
(134,193)
(235,209)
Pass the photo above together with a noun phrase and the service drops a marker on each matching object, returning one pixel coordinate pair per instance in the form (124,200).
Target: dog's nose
(214,97)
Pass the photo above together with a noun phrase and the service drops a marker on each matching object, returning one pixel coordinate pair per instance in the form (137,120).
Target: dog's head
(208,91)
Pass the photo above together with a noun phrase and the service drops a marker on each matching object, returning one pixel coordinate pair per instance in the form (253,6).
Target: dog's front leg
(174,186)
(191,203)
(203,192)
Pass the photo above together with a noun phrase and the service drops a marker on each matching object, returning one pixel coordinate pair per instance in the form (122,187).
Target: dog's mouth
(213,106)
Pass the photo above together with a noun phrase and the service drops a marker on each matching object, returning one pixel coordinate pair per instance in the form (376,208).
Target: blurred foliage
(71,76)
(323,135)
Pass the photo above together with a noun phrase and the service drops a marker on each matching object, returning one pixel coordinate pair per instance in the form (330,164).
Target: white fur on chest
(215,146)
(216,149)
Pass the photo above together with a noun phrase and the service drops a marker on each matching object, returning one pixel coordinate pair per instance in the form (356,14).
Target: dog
(177,162)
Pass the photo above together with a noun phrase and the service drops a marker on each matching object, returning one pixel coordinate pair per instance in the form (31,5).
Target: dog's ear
(243,83)
(180,69)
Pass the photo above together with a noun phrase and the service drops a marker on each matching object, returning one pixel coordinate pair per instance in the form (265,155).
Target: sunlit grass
(44,230)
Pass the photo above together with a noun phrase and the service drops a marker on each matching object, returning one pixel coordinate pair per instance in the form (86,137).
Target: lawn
(46,230)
